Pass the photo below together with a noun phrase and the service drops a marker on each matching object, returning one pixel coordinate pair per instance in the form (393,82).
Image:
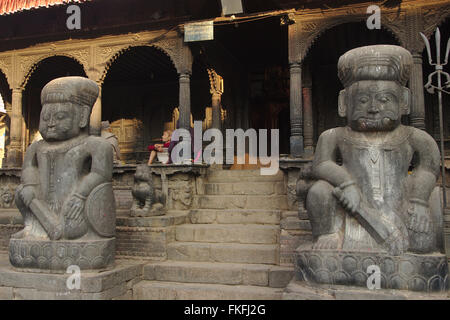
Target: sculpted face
(59,121)
(374,105)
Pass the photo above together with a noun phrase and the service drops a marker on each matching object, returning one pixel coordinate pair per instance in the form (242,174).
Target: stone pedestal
(115,284)
(427,272)
(55,256)
(147,237)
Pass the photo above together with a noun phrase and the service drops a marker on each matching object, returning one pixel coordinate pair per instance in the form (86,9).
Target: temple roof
(13,6)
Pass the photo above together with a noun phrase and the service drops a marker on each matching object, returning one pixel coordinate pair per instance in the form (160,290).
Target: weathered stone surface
(299,290)
(93,285)
(58,255)
(66,186)
(279,277)
(228,233)
(6,293)
(220,273)
(235,216)
(224,252)
(415,272)
(242,176)
(155,290)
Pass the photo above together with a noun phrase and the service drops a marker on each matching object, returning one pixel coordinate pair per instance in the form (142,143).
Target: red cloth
(152,147)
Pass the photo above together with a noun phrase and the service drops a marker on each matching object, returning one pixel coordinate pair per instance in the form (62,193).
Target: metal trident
(439,88)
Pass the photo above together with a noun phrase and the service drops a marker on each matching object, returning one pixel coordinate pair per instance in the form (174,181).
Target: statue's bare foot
(328,241)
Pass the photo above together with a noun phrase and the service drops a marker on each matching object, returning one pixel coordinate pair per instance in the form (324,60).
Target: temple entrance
(45,71)
(140,99)
(321,68)
(252,58)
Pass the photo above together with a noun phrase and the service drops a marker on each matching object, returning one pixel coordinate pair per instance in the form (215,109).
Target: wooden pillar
(185,101)
(215,104)
(417,115)
(95,127)
(308,129)
(296,112)
(14,150)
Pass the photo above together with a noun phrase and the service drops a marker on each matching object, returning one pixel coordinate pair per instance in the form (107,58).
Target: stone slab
(235,216)
(228,233)
(224,252)
(300,290)
(109,284)
(157,290)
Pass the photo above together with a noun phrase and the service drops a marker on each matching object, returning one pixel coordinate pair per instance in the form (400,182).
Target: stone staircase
(230,249)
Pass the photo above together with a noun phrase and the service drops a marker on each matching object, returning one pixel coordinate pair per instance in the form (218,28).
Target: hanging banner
(199,31)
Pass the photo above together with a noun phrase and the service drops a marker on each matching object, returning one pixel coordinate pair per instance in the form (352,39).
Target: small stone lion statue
(146,200)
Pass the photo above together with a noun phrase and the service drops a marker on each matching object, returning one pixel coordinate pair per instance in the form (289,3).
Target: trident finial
(438,65)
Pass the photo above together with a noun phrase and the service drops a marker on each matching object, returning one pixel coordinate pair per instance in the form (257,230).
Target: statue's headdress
(379,62)
(78,90)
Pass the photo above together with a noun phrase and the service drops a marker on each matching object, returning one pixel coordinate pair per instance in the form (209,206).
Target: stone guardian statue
(65,196)
(379,207)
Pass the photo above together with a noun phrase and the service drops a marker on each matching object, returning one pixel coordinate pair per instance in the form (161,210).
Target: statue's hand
(74,208)
(27,195)
(419,217)
(348,196)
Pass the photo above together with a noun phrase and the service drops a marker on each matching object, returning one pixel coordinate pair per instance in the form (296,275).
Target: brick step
(228,233)
(235,216)
(243,176)
(276,202)
(224,252)
(158,290)
(219,273)
(245,188)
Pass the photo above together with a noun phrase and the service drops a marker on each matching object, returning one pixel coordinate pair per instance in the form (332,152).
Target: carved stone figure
(146,201)
(65,196)
(6,197)
(371,210)
(107,134)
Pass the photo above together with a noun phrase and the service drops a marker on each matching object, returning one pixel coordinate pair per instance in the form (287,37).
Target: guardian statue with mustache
(379,200)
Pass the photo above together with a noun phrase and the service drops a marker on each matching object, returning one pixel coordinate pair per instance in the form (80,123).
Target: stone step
(224,252)
(243,176)
(275,202)
(228,233)
(235,216)
(219,273)
(158,290)
(245,188)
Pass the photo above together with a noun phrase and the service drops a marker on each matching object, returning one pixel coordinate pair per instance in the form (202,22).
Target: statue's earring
(342,104)
(405,104)
(84,118)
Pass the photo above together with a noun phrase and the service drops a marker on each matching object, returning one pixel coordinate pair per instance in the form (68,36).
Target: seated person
(159,146)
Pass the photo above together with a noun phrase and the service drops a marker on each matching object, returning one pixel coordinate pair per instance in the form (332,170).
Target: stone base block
(300,290)
(55,256)
(116,283)
(428,273)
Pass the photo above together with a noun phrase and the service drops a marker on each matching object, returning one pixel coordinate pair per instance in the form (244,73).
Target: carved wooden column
(417,115)
(14,150)
(216,90)
(215,104)
(308,129)
(414,23)
(185,101)
(95,127)
(296,112)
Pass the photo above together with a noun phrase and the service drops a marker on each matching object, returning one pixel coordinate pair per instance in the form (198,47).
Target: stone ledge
(105,285)
(300,290)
